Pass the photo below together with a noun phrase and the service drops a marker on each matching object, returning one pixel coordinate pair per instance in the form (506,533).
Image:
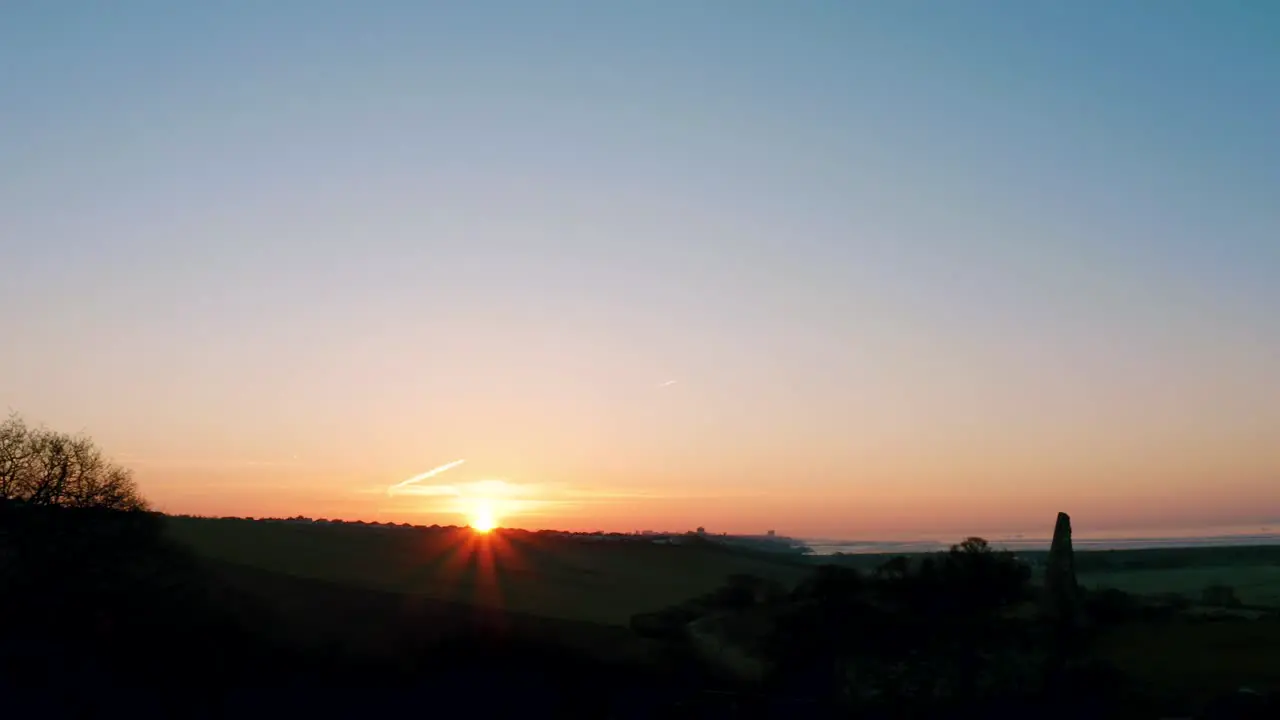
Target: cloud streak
(530,494)
(411,486)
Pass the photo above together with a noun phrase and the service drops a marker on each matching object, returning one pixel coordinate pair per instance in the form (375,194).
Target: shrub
(1220,596)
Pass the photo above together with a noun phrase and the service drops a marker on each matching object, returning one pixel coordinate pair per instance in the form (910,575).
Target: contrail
(668,383)
(423,476)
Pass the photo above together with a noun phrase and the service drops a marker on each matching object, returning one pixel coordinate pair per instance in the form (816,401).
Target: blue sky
(912,249)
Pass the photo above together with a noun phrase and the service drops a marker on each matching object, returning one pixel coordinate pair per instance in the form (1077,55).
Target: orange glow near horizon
(881,493)
(483,521)
(481,514)
(867,507)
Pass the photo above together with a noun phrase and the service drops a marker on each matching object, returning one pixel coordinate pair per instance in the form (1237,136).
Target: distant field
(595,582)
(1257,585)
(1253,571)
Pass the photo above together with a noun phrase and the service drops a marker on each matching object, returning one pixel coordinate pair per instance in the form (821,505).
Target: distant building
(771,534)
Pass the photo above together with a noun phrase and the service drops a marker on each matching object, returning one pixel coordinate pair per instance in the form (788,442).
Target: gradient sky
(914,267)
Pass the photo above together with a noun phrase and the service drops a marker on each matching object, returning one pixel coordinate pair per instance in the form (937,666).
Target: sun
(482,517)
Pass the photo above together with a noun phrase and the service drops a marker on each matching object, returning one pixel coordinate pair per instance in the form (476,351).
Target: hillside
(531,573)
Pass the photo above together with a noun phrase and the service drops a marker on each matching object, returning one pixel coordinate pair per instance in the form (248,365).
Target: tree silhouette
(42,467)
(895,568)
(983,579)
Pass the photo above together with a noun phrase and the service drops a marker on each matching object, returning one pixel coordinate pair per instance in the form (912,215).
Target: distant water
(871,547)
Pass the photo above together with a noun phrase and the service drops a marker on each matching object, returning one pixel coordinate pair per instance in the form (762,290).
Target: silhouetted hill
(98,601)
(545,574)
(108,613)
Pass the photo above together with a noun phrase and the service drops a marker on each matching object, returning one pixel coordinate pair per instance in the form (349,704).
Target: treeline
(727,542)
(39,466)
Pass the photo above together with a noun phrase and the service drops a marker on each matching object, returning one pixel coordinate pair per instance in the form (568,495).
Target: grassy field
(1255,585)
(523,573)
(324,615)
(610,582)
(361,587)
(1191,662)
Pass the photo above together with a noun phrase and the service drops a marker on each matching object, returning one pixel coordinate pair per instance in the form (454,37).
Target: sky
(838,269)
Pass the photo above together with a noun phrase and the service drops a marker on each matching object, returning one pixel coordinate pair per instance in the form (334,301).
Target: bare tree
(43,467)
(16,456)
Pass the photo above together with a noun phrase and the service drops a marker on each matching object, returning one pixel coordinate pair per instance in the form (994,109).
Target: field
(1191,662)
(361,587)
(1252,571)
(604,582)
(323,616)
(1255,585)
(551,577)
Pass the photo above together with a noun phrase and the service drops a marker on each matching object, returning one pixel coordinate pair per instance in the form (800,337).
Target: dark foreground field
(237,617)
(103,615)
(601,584)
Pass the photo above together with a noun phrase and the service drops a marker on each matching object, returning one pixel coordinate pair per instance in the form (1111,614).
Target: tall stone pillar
(1062,593)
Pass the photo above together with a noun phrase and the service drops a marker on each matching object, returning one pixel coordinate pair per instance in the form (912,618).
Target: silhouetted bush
(918,638)
(831,584)
(1223,596)
(893,569)
(1109,606)
(1170,602)
(984,579)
